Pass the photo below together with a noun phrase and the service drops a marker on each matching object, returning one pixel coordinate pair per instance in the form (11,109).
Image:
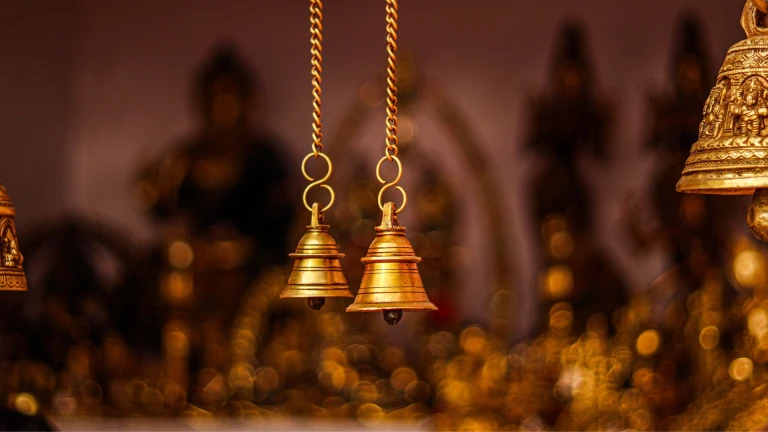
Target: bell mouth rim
(403,306)
(389,259)
(305,255)
(733,186)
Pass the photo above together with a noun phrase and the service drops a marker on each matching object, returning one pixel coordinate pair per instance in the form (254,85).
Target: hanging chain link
(390,153)
(391,79)
(316,39)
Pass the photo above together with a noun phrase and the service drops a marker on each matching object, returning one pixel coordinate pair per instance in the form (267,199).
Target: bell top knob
(390,244)
(316,241)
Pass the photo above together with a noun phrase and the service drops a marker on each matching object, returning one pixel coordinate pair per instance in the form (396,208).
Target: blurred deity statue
(221,198)
(567,121)
(684,223)
(225,179)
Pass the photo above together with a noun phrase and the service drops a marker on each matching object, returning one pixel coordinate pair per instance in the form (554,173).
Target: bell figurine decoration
(12,276)
(391,281)
(731,155)
(317,270)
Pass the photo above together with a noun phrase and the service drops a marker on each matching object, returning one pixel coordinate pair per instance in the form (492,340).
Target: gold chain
(316,39)
(390,153)
(391,79)
(316,31)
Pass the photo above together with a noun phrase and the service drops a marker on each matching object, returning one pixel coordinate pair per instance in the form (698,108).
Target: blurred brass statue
(566,121)
(685,225)
(729,156)
(221,200)
(12,277)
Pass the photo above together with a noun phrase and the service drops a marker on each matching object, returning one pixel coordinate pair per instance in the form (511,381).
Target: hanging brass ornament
(317,270)
(12,276)
(731,155)
(391,281)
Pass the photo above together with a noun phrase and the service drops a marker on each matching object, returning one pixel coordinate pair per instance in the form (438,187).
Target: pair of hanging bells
(12,276)
(391,281)
(731,154)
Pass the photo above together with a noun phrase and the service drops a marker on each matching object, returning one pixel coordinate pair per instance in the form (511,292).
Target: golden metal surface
(317,270)
(391,280)
(12,276)
(317,267)
(757,216)
(761,5)
(391,150)
(730,156)
(316,39)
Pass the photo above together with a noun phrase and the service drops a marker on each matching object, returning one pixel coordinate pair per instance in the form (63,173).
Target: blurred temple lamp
(12,276)
(729,157)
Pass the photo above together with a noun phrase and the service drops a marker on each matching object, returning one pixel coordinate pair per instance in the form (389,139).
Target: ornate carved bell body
(731,154)
(317,272)
(391,281)
(12,276)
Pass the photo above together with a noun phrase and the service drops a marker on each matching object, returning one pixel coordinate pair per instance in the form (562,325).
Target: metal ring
(388,185)
(318,182)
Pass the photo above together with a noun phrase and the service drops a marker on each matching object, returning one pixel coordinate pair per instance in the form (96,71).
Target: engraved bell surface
(12,277)
(317,271)
(731,154)
(391,280)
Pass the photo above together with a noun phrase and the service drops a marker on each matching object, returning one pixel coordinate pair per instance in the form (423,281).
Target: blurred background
(153,149)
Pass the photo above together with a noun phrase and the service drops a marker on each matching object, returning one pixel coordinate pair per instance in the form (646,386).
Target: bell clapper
(757,216)
(316,303)
(393,316)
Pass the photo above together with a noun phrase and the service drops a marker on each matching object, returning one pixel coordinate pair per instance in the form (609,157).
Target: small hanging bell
(731,155)
(317,270)
(391,280)
(12,276)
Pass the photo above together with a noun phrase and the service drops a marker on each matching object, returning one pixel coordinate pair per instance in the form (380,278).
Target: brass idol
(317,270)
(731,155)
(391,280)
(12,276)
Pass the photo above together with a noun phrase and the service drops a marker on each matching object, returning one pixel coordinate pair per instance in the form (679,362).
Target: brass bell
(731,155)
(317,270)
(12,276)
(391,281)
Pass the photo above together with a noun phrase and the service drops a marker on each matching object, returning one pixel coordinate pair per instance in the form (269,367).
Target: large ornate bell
(391,280)
(731,155)
(12,276)
(317,270)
